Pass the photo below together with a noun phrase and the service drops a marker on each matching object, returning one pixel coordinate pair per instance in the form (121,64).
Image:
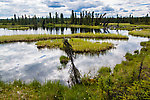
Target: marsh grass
(73,26)
(19,28)
(36,37)
(121,84)
(78,45)
(122,26)
(64,60)
(142,33)
(128,26)
(14,26)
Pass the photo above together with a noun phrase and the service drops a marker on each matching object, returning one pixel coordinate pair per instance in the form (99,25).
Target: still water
(24,61)
(51,31)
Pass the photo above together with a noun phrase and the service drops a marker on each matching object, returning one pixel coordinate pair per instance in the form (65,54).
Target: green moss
(78,45)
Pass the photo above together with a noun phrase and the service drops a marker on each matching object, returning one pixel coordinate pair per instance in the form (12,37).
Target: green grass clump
(74,26)
(64,60)
(36,37)
(122,26)
(128,26)
(142,33)
(78,45)
(104,71)
(19,28)
(9,25)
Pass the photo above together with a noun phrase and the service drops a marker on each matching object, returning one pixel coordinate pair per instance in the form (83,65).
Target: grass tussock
(142,33)
(64,60)
(78,45)
(36,37)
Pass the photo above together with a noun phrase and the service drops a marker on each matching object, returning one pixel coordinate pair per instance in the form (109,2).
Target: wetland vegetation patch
(142,33)
(19,28)
(36,37)
(64,60)
(78,45)
(129,80)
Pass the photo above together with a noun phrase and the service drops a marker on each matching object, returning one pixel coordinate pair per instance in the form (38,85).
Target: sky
(42,7)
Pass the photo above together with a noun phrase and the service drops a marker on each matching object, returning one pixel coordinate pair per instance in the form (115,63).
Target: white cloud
(43,7)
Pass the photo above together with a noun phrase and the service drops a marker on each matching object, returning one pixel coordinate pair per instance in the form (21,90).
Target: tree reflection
(62,30)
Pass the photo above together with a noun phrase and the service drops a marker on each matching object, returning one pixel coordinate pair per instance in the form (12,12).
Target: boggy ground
(142,33)
(37,37)
(78,45)
(19,28)
(122,26)
(129,80)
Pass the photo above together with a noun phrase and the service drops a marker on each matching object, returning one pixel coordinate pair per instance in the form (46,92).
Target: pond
(24,61)
(51,31)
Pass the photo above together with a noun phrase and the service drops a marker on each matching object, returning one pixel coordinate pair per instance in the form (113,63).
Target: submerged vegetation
(129,80)
(36,37)
(142,33)
(78,45)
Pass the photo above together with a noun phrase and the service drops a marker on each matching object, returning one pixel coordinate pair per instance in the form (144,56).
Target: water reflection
(52,30)
(24,61)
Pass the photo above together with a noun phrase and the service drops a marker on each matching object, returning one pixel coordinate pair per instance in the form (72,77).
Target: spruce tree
(72,17)
(50,18)
(81,18)
(15,19)
(62,18)
(56,18)
(92,17)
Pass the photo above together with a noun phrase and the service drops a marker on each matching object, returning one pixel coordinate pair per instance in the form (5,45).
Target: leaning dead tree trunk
(74,72)
(140,70)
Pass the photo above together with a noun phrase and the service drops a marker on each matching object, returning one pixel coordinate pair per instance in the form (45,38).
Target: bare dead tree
(140,70)
(74,72)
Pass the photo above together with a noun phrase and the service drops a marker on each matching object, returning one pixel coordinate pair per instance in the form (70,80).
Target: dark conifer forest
(84,18)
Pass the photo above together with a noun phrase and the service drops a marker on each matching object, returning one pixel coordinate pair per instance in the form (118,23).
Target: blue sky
(43,7)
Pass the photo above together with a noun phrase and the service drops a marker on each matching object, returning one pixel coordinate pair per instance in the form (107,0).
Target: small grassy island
(19,28)
(78,45)
(37,37)
(142,33)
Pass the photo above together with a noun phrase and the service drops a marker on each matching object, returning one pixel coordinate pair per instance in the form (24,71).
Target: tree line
(82,18)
